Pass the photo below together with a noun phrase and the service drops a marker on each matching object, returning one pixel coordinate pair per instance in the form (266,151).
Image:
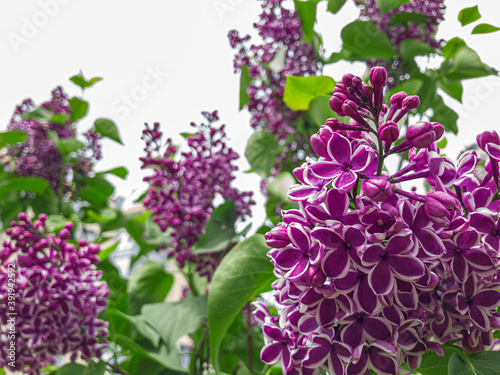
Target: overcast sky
(167,61)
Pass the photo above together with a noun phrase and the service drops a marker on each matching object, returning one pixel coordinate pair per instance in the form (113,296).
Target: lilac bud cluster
(58,296)
(281,32)
(38,156)
(184,185)
(372,275)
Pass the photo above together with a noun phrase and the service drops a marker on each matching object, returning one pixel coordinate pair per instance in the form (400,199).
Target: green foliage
(387,5)
(245,80)
(55,223)
(364,41)
(466,64)
(108,129)
(434,364)
(484,28)
(149,283)
(334,6)
(299,91)
(120,172)
(469,15)
(260,152)
(79,108)
(35,185)
(481,363)
(410,48)
(80,80)
(175,319)
(249,272)
(12,137)
(306,9)
(445,115)
(220,230)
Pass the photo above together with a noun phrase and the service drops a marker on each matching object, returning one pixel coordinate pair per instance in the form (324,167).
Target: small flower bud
(350,108)
(397,98)
(378,76)
(487,137)
(388,131)
(277,237)
(438,129)
(318,145)
(439,204)
(411,102)
(421,135)
(377,189)
(347,79)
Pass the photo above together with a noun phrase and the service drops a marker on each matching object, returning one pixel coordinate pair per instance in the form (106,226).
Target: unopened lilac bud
(420,135)
(438,129)
(64,234)
(69,226)
(378,76)
(411,102)
(350,108)
(315,276)
(388,131)
(377,189)
(487,137)
(367,90)
(439,204)
(347,79)
(318,145)
(397,98)
(336,102)
(277,237)
(356,82)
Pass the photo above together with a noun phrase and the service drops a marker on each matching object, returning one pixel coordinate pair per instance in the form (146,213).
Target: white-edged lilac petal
(339,149)
(336,263)
(407,266)
(326,169)
(271,353)
(380,279)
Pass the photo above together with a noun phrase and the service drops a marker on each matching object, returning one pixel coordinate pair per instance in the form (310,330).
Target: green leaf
(467,65)
(60,119)
(261,151)
(106,252)
(299,91)
(12,137)
(79,80)
(334,6)
(120,172)
(72,368)
(98,368)
(65,145)
(320,111)
(434,364)
(55,223)
(409,48)
(35,185)
(411,86)
(307,14)
(39,114)
(427,92)
(444,115)
(452,46)
(108,129)
(247,269)
(154,235)
(149,283)
(386,5)
(78,108)
(219,231)
(481,363)
(175,319)
(406,17)
(366,41)
(454,89)
(442,143)
(245,80)
(484,28)
(469,15)
(106,215)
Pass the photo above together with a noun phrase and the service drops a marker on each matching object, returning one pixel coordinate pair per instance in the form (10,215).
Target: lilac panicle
(281,32)
(370,275)
(58,296)
(38,156)
(184,185)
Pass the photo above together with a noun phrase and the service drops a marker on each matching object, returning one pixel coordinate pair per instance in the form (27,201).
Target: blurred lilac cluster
(281,33)
(58,296)
(371,275)
(183,187)
(38,156)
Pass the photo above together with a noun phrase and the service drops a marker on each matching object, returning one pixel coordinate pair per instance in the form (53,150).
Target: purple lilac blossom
(370,275)
(281,33)
(425,31)
(39,157)
(184,184)
(58,296)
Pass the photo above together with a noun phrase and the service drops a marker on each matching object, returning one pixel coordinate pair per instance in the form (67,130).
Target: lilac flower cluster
(58,295)
(183,187)
(281,32)
(371,275)
(38,156)
(424,31)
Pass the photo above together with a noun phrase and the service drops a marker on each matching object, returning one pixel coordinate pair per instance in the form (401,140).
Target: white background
(185,40)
